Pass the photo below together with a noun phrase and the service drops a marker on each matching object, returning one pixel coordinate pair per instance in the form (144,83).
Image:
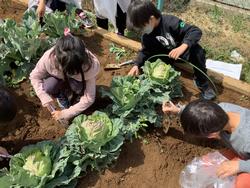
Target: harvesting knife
(112,66)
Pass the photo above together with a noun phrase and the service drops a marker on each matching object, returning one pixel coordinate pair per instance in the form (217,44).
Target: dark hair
(8,107)
(202,117)
(139,13)
(71,54)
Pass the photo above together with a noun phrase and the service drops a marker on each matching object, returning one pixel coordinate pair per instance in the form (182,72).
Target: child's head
(71,54)
(203,117)
(8,107)
(143,15)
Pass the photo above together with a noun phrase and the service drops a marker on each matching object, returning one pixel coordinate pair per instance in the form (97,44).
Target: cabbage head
(44,164)
(93,131)
(164,81)
(38,164)
(157,71)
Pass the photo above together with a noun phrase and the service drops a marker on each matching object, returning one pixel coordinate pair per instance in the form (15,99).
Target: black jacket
(169,34)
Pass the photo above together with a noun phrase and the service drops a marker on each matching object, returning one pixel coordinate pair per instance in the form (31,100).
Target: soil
(156,160)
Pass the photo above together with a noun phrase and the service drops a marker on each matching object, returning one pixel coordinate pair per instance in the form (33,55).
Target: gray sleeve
(245,166)
(228,107)
(181,109)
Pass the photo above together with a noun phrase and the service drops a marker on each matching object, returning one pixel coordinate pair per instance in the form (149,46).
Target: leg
(76,86)
(103,23)
(196,55)
(58,5)
(53,86)
(120,20)
(76,91)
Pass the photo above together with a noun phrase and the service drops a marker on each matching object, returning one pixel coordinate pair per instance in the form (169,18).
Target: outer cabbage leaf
(91,152)
(126,92)
(53,167)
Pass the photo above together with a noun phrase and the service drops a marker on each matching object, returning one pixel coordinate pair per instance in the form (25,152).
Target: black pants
(61,6)
(197,56)
(120,21)
(58,5)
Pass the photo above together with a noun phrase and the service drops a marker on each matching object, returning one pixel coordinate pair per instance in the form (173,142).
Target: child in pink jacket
(66,72)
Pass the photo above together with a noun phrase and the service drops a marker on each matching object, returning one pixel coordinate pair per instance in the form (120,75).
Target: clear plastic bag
(201,173)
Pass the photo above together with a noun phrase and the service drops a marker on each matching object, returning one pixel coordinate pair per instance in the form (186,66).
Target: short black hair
(139,12)
(202,117)
(8,107)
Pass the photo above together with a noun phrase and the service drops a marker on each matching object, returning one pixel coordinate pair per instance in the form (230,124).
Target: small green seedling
(119,52)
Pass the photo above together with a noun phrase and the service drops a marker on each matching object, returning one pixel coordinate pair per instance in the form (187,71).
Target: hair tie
(67,31)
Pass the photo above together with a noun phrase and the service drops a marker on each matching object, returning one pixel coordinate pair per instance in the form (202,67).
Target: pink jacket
(46,67)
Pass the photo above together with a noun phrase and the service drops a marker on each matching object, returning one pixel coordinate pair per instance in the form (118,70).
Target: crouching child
(167,34)
(227,122)
(66,73)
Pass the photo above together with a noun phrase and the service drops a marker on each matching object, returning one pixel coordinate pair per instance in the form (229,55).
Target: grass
(222,54)
(216,14)
(246,72)
(238,23)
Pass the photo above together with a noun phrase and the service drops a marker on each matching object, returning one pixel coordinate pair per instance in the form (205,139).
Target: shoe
(120,34)
(62,101)
(85,20)
(207,92)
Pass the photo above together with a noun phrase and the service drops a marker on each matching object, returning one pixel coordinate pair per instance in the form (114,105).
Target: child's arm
(36,77)
(233,167)
(150,46)
(169,107)
(188,34)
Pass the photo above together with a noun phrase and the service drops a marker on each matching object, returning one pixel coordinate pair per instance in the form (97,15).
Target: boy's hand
(41,9)
(134,71)
(228,168)
(169,107)
(177,52)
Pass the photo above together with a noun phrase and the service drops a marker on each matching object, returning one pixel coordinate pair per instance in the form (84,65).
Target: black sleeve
(150,47)
(187,34)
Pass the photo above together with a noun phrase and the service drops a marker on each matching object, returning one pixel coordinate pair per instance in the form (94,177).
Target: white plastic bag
(201,173)
(106,9)
(124,4)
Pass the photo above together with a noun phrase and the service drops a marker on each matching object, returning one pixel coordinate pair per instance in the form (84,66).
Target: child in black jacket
(166,34)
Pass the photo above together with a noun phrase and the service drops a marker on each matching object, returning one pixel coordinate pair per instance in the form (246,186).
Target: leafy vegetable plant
(163,79)
(57,21)
(44,164)
(134,99)
(20,48)
(119,52)
(94,141)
